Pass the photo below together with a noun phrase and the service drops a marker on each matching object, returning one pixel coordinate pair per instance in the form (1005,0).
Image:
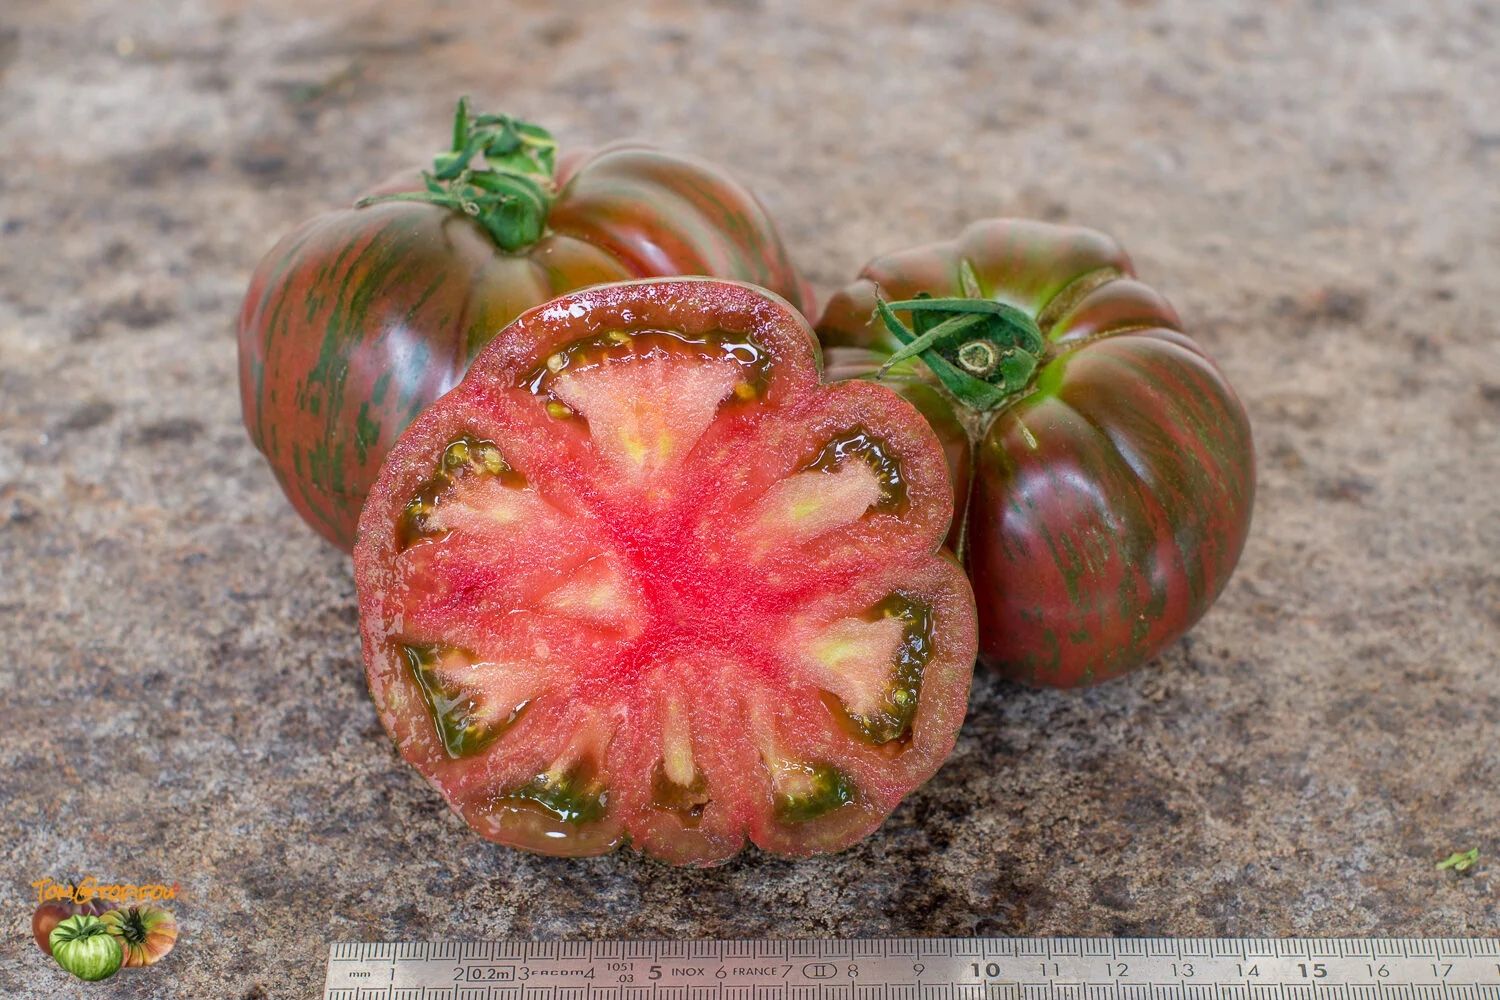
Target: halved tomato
(641,578)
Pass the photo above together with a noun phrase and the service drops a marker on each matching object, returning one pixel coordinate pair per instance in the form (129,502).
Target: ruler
(923,969)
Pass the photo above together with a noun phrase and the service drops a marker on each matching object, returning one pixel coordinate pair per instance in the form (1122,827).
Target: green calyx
(984,352)
(499,171)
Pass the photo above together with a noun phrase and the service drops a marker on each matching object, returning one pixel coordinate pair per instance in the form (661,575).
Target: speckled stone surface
(1314,185)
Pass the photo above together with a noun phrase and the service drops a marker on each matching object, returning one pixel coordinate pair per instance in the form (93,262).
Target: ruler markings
(1073,968)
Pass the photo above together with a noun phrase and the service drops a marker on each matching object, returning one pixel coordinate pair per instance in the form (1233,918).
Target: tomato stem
(499,170)
(983,351)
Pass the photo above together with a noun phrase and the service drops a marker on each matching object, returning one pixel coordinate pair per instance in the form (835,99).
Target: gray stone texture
(1315,185)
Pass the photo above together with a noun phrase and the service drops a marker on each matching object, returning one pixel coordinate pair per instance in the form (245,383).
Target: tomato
(360,318)
(1113,472)
(53,912)
(83,946)
(641,577)
(145,933)
(47,916)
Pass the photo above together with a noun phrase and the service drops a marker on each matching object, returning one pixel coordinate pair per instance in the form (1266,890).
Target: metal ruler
(923,969)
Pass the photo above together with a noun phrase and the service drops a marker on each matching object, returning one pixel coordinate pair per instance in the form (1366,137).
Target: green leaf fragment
(461,123)
(968,279)
(506,141)
(508,192)
(1460,861)
(983,351)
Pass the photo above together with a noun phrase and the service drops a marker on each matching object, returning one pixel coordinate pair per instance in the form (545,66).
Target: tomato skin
(361,317)
(1110,500)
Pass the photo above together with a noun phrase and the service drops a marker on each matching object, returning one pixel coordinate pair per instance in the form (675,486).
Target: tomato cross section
(641,578)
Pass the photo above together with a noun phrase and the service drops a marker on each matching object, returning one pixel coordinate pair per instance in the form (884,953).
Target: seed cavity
(854,473)
(859,444)
(871,667)
(645,418)
(807,505)
(677,786)
(465,457)
(687,801)
(893,721)
(677,744)
(803,791)
(597,593)
(466,717)
(626,345)
(574,796)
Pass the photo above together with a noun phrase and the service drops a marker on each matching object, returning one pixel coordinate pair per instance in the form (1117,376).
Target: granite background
(1313,184)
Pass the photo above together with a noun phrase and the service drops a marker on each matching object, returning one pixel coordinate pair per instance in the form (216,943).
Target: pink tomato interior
(659,585)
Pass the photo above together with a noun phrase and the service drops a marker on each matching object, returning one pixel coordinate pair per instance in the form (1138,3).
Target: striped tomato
(360,318)
(642,578)
(1113,472)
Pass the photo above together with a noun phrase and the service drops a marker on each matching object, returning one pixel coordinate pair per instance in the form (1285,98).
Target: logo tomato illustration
(83,945)
(145,933)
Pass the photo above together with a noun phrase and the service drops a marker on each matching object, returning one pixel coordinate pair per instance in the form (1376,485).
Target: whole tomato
(361,317)
(1112,467)
(82,945)
(145,933)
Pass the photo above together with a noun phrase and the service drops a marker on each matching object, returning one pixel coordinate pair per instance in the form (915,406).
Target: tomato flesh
(639,577)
